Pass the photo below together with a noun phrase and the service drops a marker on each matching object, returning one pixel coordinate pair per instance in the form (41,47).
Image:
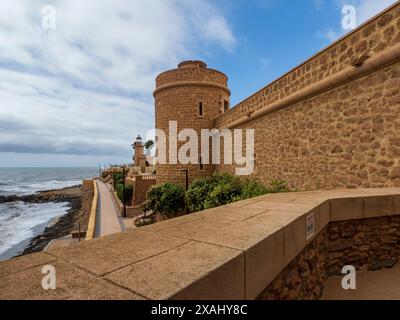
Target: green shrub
(250,189)
(198,192)
(167,199)
(117,176)
(277,186)
(210,192)
(220,189)
(128,192)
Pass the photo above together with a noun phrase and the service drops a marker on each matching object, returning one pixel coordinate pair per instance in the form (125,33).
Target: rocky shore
(77,216)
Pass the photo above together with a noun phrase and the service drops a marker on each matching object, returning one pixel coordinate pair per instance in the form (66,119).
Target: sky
(78,94)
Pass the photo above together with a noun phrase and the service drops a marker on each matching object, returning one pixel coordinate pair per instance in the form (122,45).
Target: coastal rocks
(60,227)
(78,200)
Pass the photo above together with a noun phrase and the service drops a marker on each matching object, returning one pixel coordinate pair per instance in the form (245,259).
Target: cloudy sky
(79,94)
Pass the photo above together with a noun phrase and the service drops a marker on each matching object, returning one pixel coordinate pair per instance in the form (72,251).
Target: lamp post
(186,184)
(123,189)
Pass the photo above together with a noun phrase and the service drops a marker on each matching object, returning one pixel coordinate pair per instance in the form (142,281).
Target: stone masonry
(334,122)
(345,137)
(367,244)
(193,96)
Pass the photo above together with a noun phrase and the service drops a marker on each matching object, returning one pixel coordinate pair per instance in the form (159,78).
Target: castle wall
(338,127)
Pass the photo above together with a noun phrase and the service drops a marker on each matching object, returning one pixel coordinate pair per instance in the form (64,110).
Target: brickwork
(177,98)
(141,185)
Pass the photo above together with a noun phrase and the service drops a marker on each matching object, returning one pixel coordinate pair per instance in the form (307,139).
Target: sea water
(19,221)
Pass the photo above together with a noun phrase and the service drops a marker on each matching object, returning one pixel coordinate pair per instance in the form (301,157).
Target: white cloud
(330,35)
(88,84)
(365,9)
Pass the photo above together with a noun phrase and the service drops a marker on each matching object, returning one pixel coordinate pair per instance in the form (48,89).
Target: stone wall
(344,137)
(142,184)
(366,244)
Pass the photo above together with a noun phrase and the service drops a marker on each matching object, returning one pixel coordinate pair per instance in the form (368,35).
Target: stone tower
(140,157)
(193,96)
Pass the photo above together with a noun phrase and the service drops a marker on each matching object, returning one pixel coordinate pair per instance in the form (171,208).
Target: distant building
(139,157)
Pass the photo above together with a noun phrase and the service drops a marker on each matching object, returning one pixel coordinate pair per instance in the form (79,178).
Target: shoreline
(78,200)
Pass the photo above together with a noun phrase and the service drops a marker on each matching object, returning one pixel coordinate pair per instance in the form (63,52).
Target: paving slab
(71,283)
(18,264)
(109,253)
(192,271)
(262,245)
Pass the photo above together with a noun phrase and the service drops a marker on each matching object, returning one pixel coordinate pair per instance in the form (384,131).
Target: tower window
(200,108)
(226,105)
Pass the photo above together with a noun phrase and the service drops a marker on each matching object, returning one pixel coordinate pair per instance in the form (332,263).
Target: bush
(277,185)
(210,192)
(220,189)
(250,189)
(117,177)
(167,199)
(128,192)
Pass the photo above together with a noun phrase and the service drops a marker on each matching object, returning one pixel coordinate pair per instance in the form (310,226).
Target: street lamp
(123,189)
(186,183)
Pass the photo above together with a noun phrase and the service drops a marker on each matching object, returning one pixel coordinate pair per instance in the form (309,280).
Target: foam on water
(20,221)
(25,189)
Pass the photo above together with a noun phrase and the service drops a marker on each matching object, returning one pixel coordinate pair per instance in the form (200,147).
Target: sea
(19,221)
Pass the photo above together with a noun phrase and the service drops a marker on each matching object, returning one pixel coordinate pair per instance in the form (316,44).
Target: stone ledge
(229,252)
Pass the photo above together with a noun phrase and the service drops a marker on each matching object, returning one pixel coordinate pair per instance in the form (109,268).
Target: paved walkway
(370,285)
(107,220)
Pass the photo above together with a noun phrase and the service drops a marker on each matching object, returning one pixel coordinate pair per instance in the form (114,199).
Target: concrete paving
(370,285)
(107,220)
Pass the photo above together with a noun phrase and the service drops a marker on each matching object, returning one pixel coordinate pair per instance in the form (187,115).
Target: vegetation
(148,144)
(252,188)
(119,188)
(117,177)
(207,192)
(277,186)
(167,199)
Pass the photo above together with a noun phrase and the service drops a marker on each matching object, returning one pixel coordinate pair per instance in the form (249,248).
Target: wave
(25,189)
(20,221)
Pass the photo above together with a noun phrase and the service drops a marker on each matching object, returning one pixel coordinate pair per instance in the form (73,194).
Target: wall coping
(229,252)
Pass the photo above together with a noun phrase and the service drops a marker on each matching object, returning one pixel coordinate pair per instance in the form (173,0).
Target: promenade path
(107,220)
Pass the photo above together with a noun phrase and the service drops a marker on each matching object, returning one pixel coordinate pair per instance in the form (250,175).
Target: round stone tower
(193,96)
